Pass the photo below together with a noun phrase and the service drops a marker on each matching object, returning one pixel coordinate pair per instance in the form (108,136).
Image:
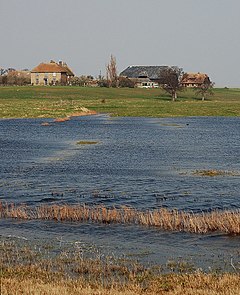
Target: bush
(126,82)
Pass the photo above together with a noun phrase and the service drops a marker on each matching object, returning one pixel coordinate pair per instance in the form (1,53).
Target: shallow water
(141,162)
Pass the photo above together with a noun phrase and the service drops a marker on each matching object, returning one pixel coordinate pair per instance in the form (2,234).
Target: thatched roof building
(195,79)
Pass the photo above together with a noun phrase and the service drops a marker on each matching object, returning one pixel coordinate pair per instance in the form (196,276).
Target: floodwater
(145,163)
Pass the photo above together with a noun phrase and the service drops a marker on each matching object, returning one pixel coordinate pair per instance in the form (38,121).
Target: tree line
(13,77)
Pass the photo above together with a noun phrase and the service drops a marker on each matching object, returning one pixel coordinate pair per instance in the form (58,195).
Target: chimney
(60,63)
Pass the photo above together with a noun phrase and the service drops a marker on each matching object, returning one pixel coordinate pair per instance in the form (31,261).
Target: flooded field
(190,164)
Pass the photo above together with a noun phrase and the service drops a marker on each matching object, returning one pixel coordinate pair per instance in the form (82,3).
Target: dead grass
(172,285)
(172,220)
(26,271)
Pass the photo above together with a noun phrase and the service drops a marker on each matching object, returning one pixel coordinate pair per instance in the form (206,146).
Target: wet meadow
(141,198)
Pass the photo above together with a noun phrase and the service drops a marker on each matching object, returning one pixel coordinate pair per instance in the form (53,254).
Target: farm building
(51,73)
(195,79)
(144,76)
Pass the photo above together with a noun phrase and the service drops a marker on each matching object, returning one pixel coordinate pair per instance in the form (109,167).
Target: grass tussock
(87,142)
(172,220)
(27,270)
(212,173)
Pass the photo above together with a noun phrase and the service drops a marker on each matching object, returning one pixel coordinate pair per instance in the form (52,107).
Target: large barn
(144,76)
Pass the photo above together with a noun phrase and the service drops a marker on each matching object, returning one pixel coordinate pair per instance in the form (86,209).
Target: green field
(37,102)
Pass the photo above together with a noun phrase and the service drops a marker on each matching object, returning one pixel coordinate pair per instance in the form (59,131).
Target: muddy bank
(82,112)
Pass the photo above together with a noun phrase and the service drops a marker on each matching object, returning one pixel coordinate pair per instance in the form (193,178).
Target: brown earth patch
(61,119)
(83,113)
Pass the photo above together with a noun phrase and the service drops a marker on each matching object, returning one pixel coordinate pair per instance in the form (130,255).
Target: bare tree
(3,79)
(205,89)
(170,80)
(111,72)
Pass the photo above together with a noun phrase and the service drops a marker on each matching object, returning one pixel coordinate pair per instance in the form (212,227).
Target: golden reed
(172,220)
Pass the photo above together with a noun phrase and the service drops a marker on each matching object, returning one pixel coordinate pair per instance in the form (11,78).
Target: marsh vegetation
(41,270)
(174,220)
(87,142)
(213,172)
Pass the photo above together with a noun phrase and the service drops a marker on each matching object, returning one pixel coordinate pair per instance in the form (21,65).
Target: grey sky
(197,35)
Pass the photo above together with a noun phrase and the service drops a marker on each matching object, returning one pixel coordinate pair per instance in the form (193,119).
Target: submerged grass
(173,220)
(34,271)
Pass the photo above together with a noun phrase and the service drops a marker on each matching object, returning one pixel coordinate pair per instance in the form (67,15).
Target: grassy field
(37,102)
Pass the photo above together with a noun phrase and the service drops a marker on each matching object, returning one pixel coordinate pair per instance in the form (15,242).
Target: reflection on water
(141,162)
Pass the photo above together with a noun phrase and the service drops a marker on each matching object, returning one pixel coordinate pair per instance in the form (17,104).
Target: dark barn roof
(151,72)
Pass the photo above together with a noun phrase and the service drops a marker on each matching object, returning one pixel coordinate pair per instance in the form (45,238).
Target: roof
(151,72)
(196,78)
(69,72)
(52,67)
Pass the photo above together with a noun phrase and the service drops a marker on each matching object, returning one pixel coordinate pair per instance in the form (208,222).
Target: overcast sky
(197,35)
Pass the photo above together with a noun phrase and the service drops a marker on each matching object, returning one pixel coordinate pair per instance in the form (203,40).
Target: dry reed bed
(200,284)
(33,270)
(173,220)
